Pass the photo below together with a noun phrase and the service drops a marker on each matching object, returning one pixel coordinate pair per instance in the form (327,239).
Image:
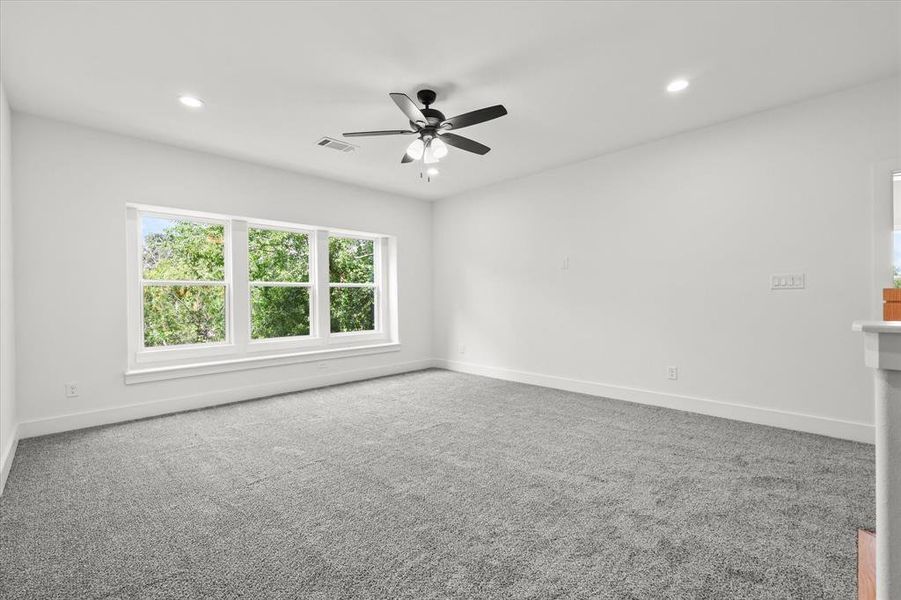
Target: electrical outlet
(73,390)
(787,281)
(564,266)
(461,349)
(672,373)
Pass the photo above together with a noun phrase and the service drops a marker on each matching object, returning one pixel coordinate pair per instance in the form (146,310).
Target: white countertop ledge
(253,362)
(877,326)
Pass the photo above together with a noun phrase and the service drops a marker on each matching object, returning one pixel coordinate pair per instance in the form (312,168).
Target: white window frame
(311,340)
(239,350)
(377,286)
(896,218)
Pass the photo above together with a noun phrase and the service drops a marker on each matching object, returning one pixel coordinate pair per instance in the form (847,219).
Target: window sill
(133,376)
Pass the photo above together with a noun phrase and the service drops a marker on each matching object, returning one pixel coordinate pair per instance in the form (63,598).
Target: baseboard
(847,430)
(143,410)
(7,456)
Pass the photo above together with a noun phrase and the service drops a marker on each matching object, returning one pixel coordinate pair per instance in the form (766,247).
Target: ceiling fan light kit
(439,148)
(433,129)
(415,149)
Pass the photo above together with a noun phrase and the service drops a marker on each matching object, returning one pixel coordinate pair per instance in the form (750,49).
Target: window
(220,290)
(183,281)
(279,271)
(896,258)
(896,234)
(352,297)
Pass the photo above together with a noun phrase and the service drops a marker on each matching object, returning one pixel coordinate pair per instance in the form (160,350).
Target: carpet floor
(434,485)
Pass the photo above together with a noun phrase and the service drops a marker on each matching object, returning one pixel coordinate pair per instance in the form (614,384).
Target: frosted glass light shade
(439,148)
(428,156)
(415,149)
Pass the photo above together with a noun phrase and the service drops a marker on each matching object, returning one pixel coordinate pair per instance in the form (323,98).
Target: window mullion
(388,287)
(378,250)
(321,286)
(239,288)
(135,289)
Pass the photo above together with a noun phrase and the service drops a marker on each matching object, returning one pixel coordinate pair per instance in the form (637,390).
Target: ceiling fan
(433,129)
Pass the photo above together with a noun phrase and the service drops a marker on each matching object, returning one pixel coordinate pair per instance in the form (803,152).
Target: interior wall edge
(8,329)
(836,428)
(6,458)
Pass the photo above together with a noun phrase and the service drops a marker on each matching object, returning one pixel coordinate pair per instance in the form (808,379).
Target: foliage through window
(352,284)
(184,288)
(219,285)
(279,264)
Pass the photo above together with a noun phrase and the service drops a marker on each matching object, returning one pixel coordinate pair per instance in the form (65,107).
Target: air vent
(328,142)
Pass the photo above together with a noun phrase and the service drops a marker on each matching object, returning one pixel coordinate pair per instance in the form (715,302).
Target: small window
(183,282)
(279,266)
(352,289)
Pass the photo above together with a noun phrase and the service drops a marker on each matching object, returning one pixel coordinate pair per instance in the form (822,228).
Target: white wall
(71,187)
(671,247)
(7,321)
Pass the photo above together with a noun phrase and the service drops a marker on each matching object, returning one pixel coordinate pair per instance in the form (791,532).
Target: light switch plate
(788,281)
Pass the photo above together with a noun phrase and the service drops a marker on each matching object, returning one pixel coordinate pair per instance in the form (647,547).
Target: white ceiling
(578,79)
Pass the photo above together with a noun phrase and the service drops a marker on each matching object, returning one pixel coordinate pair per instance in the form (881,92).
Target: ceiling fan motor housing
(427,97)
(434,117)
(429,123)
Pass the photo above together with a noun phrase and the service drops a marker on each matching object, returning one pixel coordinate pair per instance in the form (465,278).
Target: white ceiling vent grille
(328,142)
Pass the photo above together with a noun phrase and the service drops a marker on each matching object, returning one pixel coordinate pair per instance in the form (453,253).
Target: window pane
(279,312)
(278,255)
(897,255)
(176,315)
(183,250)
(352,309)
(350,260)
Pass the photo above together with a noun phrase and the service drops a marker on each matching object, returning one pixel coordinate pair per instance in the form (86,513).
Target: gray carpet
(434,485)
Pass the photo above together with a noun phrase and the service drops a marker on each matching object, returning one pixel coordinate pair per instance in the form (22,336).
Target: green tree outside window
(351,261)
(176,250)
(276,256)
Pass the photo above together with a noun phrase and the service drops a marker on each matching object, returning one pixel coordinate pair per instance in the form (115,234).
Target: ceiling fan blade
(409,108)
(386,132)
(406,158)
(458,141)
(474,117)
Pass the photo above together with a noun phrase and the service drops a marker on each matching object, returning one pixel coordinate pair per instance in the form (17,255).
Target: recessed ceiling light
(191,101)
(677,85)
